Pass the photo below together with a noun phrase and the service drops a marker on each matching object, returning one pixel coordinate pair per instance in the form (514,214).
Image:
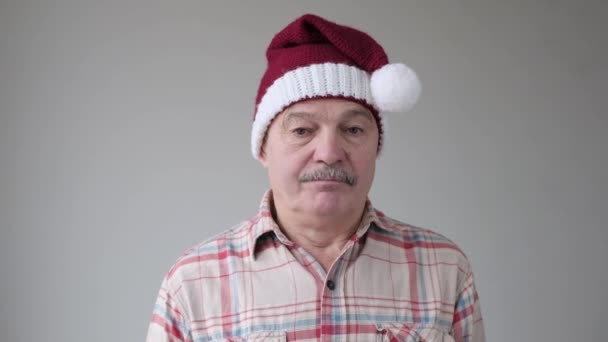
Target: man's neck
(323,237)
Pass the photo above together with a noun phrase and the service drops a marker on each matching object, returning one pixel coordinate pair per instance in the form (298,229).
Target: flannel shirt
(392,282)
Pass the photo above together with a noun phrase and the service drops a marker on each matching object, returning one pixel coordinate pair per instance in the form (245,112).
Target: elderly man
(318,262)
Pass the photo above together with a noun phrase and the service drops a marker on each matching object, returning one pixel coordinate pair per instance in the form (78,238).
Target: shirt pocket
(260,336)
(404,332)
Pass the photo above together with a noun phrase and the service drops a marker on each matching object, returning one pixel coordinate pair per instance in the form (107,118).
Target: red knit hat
(316,58)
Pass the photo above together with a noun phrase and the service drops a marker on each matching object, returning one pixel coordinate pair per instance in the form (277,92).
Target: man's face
(321,156)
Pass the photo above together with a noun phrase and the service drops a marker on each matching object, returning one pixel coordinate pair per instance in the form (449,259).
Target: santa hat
(315,58)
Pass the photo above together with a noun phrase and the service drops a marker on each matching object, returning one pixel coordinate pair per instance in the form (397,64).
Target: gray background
(124,139)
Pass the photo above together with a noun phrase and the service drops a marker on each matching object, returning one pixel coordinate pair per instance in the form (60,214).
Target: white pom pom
(395,88)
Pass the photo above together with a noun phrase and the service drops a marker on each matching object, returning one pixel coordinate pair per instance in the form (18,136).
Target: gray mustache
(328,173)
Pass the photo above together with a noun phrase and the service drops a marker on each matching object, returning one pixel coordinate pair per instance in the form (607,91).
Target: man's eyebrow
(295,116)
(298,115)
(347,114)
(359,113)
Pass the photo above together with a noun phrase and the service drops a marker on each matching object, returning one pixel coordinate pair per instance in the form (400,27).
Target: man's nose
(329,148)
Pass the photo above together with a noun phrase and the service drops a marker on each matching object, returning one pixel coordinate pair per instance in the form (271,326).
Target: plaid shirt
(392,282)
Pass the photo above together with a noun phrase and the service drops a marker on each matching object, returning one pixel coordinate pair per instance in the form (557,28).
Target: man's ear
(262,158)
(263,155)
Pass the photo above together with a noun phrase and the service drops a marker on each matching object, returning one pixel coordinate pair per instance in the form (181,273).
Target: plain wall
(124,140)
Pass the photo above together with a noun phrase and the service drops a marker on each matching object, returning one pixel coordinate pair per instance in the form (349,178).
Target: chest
(369,293)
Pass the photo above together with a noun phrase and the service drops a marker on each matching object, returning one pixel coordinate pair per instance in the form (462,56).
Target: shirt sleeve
(467,325)
(168,323)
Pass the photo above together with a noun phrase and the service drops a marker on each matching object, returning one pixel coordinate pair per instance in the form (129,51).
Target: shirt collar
(264,223)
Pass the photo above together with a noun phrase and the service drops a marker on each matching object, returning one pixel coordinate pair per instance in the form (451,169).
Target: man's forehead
(326,113)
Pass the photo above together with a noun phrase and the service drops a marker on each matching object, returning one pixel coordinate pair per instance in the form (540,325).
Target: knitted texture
(313,40)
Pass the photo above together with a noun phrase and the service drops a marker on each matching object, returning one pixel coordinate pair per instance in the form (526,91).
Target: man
(318,261)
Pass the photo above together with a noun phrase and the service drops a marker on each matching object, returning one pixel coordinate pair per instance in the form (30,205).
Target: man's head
(319,112)
(320,156)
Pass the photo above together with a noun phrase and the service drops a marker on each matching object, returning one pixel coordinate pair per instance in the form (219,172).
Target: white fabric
(395,88)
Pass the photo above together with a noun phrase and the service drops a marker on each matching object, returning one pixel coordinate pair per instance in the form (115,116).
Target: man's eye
(300,131)
(354,130)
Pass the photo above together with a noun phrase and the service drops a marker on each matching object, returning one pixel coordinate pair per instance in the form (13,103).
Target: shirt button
(330,284)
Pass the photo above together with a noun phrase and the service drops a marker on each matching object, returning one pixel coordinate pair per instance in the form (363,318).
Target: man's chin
(329,200)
